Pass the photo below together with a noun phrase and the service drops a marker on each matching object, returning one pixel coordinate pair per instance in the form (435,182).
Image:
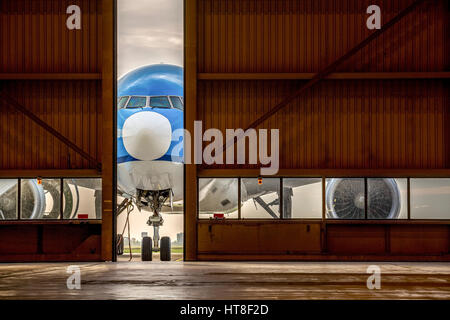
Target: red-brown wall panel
(372,124)
(419,239)
(66,79)
(70,107)
(259,238)
(308,35)
(383,122)
(35,39)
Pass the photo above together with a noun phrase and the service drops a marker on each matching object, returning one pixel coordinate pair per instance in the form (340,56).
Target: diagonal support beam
(16,105)
(331,68)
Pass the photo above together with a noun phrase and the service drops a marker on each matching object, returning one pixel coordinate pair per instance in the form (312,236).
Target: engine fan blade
(345,199)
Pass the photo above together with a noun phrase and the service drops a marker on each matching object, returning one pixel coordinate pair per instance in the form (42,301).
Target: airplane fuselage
(144,150)
(150,110)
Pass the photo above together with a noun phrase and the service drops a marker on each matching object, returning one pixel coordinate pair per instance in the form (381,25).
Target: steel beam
(17,106)
(331,68)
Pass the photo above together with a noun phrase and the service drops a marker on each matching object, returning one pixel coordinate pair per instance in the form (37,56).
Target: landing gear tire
(146,250)
(120,244)
(165,252)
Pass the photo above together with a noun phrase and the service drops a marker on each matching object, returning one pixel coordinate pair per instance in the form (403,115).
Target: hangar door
(363,122)
(57,103)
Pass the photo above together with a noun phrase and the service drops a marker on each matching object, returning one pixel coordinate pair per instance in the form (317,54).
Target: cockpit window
(159,102)
(122,102)
(137,102)
(176,102)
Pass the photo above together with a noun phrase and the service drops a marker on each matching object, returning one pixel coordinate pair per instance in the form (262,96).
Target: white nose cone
(147,135)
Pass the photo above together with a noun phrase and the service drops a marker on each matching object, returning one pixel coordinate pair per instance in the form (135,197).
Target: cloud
(176,41)
(149,32)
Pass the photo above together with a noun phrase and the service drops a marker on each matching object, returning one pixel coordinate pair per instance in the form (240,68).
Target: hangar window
(176,102)
(159,102)
(430,198)
(82,199)
(260,198)
(8,199)
(366,198)
(218,198)
(137,102)
(302,198)
(388,198)
(40,199)
(345,198)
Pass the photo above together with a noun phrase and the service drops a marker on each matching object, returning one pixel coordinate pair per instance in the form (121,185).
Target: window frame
(280,199)
(167,97)
(62,206)
(322,200)
(131,97)
(126,102)
(61,199)
(281,211)
(173,106)
(366,204)
(17,204)
(323,204)
(410,201)
(211,215)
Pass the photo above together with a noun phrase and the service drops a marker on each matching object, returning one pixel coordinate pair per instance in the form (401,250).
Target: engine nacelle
(345,199)
(218,195)
(32,199)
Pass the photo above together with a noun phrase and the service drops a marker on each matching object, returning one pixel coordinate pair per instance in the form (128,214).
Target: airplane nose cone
(147,135)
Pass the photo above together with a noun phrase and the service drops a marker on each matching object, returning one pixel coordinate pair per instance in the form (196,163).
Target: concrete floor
(225,280)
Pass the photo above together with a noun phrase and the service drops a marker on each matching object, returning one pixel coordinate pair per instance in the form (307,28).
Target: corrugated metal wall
(70,107)
(35,37)
(65,81)
(370,124)
(55,73)
(383,112)
(339,124)
(307,35)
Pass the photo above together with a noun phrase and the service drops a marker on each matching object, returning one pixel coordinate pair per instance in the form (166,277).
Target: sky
(149,32)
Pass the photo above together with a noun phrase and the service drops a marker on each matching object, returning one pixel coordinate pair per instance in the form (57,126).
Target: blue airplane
(150,113)
(150,110)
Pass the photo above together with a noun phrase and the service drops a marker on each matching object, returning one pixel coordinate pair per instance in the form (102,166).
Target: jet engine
(38,200)
(8,196)
(33,199)
(345,199)
(218,195)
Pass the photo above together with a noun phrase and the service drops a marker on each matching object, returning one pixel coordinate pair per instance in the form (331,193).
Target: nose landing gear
(156,221)
(155,200)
